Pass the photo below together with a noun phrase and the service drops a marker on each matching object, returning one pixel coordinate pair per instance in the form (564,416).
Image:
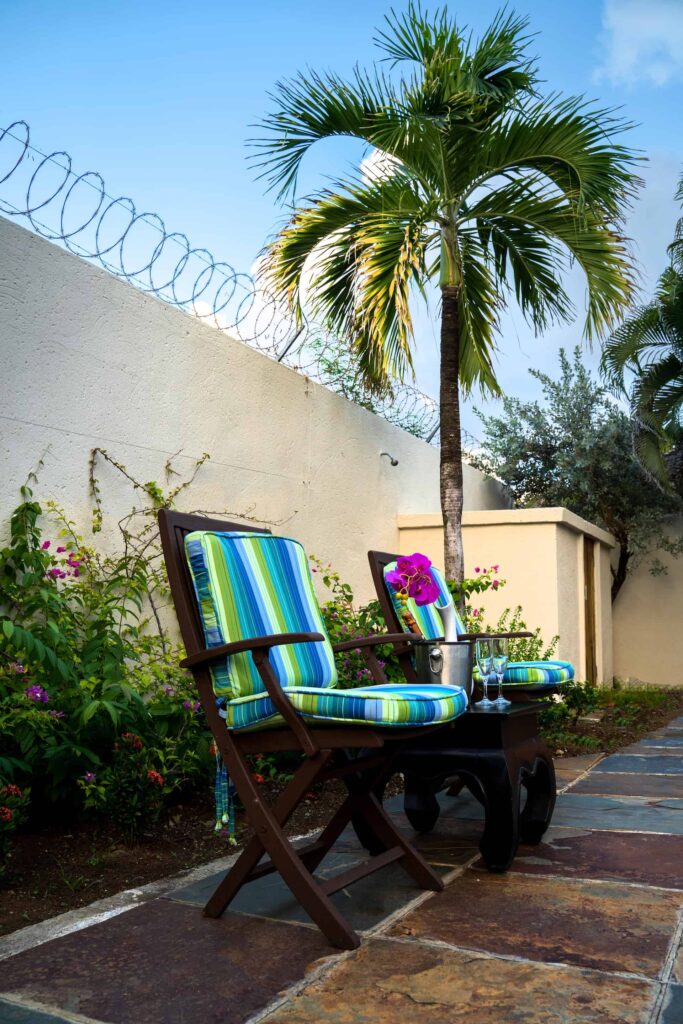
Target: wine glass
(499,654)
(484,657)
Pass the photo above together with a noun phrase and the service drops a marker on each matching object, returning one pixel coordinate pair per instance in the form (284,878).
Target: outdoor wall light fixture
(392,460)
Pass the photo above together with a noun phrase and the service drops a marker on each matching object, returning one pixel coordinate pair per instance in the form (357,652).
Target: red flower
(11,790)
(155,777)
(212,750)
(5,814)
(133,741)
(257,777)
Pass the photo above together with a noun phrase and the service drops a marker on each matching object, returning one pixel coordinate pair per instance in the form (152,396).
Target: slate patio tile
(602,925)
(620,814)
(677,972)
(387,982)
(163,963)
(574,766)
(12,1013)
(672,1011)
(611,856)
(660,763)
(675,741)
(363,904)
(633,784)
(654,748)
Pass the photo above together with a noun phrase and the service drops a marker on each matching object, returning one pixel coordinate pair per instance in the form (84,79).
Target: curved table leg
(541,793)
(420,803)
(499,778)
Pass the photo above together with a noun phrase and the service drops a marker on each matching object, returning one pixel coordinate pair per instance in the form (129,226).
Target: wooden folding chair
(236,554)
(522,680)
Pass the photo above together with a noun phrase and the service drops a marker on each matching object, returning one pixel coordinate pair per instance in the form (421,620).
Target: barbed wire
(76,211)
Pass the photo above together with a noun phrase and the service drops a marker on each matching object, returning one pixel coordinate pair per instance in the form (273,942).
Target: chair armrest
(376,641)
(255,643)
(492,636)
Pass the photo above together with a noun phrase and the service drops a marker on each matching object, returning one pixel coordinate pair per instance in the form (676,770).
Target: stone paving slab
(387,982)
(601,925)
(634,784)
(620,814)
(677,970)
(571,767)
(163,963)
(659,763)
(672,1012)
(611,856)
(675,741)
(11,1013)
(363,904)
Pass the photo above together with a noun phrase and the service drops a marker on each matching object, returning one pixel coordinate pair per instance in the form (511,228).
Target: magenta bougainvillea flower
(413,577)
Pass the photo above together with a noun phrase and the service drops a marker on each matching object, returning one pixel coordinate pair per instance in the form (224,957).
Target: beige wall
(88,360)
(540,553)
(648,623)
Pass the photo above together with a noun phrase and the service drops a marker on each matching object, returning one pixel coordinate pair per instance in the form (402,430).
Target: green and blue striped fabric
(255,584)
(426,615)
(534,675)
(389,705)
(523,675)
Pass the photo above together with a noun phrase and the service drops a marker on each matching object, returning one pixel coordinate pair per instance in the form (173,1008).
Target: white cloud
(642,41)
(377,165)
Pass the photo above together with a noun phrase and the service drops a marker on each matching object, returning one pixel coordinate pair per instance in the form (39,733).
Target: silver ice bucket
(438,662)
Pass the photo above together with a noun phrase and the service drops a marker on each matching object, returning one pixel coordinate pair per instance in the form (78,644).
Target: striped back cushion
(426,615)
(255,584)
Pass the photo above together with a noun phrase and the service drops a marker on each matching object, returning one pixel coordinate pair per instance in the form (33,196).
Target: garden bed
(605,720)
(55,869)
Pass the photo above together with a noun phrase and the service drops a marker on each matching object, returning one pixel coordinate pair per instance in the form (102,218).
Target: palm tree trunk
(451,440)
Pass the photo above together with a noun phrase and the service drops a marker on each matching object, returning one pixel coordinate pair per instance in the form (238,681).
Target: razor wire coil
(75,210)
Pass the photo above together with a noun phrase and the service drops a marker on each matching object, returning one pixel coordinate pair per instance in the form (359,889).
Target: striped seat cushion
(393,706)
(534,675)
(523,675)
(255,584)
(426,615)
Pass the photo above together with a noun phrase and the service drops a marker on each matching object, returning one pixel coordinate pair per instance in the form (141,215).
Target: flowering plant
(129,790)
(487,578)
(13,804)
(412,578)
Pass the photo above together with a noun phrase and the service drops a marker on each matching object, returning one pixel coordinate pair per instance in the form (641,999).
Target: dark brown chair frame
(378,562)
(327,756)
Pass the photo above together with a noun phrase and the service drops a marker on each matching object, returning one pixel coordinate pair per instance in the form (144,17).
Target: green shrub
(346,622)
(129,790)
(83,658)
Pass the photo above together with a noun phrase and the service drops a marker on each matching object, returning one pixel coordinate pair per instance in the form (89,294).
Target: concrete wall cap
(514,517)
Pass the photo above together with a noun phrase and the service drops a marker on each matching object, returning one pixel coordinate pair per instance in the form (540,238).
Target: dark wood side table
(495,753)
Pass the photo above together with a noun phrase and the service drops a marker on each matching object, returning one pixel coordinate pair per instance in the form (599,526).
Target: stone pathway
(585,929)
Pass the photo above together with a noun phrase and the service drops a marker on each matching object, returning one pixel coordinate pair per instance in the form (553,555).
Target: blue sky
(159,97)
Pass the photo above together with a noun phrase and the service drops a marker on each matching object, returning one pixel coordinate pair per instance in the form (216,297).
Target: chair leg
(363,803)
(282,810)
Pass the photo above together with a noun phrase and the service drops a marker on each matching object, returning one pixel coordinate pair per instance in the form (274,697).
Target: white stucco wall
(88,361)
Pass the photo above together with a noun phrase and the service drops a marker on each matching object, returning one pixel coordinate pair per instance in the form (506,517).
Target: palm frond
(311,107)
(367,247)
(567,141)
(544,214)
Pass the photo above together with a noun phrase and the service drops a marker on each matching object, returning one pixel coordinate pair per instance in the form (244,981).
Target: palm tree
(487,189)
(649,346)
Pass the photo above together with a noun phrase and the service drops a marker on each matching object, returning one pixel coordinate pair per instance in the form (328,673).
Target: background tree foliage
(575,448)
(643,360)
